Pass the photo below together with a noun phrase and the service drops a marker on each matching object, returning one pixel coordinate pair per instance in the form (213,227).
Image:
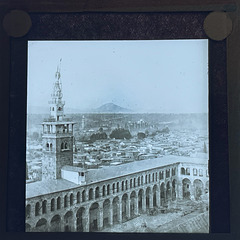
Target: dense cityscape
(110,139)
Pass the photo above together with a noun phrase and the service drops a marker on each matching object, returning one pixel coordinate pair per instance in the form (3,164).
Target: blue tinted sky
(144,76)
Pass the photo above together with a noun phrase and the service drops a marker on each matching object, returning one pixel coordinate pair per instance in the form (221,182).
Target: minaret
(57,135)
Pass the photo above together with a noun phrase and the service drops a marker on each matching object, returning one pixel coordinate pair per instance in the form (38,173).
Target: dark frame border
(214,117)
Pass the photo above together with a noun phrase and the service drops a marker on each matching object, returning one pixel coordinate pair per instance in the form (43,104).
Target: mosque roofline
(39,188)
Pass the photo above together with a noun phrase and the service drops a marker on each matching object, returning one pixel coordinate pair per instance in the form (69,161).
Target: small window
(82,174)
(200,172)
(194,172)
(188,171)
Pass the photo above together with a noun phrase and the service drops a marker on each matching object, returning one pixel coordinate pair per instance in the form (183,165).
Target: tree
(120,133)
(98,136)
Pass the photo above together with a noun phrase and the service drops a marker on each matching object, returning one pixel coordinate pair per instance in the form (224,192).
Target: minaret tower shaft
(57,135)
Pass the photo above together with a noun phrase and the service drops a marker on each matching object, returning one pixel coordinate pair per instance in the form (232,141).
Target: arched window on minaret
(66,145)
(47,146)
(62,145)
(53,108)
(50,146)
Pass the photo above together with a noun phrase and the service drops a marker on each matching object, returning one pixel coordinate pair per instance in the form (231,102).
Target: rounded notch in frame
(218,26)
(17,23)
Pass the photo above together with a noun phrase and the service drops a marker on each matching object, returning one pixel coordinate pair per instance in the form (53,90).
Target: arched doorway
(174,194)
(124,207)
(162,194)
(81,219)
(155,190)
(140,201)
(148,196)
(132,204)
(106,213)
(94,217)
(115,204)
(186,184)
(68,222)
(198,189)
(168,191)
(41,225)
(55,224)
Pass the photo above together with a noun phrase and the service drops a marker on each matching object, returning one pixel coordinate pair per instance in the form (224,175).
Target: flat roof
(97,175)
(73,168)
(35,189)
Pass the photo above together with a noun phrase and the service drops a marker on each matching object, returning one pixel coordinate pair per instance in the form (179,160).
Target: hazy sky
(168,76)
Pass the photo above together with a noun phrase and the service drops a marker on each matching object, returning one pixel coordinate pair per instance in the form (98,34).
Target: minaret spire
(56,104)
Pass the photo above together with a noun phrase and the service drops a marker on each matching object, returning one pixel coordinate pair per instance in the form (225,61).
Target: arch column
(111,214)
(136,205)
(179,190)
(100,224)
(87,220)
(151,199)
(158,197)
(120,211)
(144,205)
(128,207)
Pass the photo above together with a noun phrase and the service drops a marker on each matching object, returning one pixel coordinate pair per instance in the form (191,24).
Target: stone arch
(27,227)
(153,177)
(55,224)
(104,191)
(41,225)
(94,217)
(106,213)
(78,197)
(90,194)
(183,172)
(44,207)
(155,196)
(108,189)
(141,180)
(113,188)
(138,181)
(115,206)
(148,197)
(58,202)
(52,204)
(81,220)
(131,183)
(37,209)
(28,211)
(125,209)
(71,199)
(156,176)
(162,194)
(134,182)
(168,191)
(146,179)
(174,186)
(198,189)
(133,204)
(149,178)
(65,201)
(126,184)
(117,187)
(97,193)
(186,184)
(83,196)
(122,186)
(140,200)
(68,222)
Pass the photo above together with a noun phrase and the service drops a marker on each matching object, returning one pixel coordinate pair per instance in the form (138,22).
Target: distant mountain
(111,108)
